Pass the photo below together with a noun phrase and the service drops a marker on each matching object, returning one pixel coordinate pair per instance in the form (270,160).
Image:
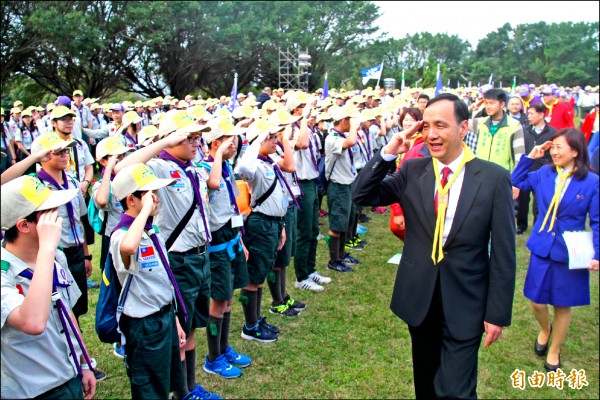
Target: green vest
(497,148)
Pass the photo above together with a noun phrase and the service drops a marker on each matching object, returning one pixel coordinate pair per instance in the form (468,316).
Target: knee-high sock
(225,331)
(342,245)
(282,281)
(334,248)
(259,294)
(273,280)
(213,337)
(190,366)
(248,300)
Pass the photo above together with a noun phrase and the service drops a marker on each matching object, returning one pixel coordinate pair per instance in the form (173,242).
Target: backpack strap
(266,194)
(179,228)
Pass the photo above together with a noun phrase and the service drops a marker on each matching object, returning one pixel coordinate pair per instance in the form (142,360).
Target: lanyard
(65,317)
(294,175)
(349,150)
(45,176)
(280,176)
(191,174)
(125,222)
(226,173)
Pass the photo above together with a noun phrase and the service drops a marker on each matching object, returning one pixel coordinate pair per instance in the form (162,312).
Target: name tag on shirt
(237,221)
(295,190)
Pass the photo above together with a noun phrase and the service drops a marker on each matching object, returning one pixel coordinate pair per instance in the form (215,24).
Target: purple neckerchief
(132,140)
(294,175)
(349,150)
(4,140)
(312,153)
(191,174)
(226,176)
(45,176)
(112,176)
(361,148)
(368,138)
(65,317)
(279,176)
(125,222)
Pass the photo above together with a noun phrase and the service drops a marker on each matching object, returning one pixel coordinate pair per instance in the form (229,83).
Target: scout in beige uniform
(148,322)
(183,205)
(39,333)
(228,267)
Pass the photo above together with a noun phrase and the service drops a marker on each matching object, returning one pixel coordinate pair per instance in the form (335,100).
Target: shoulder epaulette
(5,265)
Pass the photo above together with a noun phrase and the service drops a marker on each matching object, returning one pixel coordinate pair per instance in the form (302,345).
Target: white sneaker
(316,277)
(309,284)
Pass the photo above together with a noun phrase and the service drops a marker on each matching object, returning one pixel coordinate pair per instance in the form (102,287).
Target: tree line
(154,48)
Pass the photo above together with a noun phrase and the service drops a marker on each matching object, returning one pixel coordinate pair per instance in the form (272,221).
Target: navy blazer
(476,285)
(579,201)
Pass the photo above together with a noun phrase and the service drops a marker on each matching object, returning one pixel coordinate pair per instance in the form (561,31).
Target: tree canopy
(181,47)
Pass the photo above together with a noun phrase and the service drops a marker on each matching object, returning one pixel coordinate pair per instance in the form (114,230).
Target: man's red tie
(445,173)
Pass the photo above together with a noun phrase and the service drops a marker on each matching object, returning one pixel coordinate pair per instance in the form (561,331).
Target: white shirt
(453,194)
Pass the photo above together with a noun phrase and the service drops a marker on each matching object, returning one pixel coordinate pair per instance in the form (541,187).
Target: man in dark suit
(467,285)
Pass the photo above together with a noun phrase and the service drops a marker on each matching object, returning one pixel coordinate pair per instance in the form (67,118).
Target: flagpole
(380,72)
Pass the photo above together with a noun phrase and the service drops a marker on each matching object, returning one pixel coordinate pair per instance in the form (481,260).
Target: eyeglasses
(272,137)
(60,153)
(194,140)
(66,119)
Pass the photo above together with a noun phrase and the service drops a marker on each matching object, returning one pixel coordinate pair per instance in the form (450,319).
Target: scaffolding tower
(294,69)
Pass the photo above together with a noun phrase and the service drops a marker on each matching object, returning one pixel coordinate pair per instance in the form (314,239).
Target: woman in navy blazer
(549,279)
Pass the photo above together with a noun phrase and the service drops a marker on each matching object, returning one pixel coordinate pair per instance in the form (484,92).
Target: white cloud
(472,21)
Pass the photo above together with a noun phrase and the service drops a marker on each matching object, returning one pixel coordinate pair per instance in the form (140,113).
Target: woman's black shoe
(552,367)
(542,349)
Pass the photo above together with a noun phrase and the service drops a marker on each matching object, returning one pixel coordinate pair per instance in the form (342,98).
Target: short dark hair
(539,107)
(12,233)
(496,94)
(576,141)
(137,194)
(423,96)
(461,111)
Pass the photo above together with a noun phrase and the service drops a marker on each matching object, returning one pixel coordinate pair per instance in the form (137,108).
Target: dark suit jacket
(475,286)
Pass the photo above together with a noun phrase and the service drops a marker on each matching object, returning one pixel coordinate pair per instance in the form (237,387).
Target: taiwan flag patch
(174,174)
(147,251)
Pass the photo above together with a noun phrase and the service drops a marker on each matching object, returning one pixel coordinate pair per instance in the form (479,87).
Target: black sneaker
(363,218)
(358,239)
(294,304)
(262,323)
(284,310)
(100,376)
(339,266)
(258,334)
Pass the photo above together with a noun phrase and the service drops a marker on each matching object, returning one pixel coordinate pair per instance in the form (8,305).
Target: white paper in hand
(580,247)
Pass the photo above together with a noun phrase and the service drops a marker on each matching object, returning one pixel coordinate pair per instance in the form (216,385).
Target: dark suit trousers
(443,367)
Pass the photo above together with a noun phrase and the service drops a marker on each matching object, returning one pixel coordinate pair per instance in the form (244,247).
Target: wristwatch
(88,257)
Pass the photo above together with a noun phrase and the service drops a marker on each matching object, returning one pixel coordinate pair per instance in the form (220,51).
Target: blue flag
(326,87)
(234,93)
(439,84)
(371,73)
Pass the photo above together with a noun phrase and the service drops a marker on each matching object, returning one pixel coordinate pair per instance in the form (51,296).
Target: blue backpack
(110,303)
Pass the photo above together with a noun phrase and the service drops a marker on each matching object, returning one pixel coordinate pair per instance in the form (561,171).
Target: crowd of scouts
(199,198)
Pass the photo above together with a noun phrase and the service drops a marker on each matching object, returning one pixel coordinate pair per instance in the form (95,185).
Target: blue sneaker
(91,284)
(200,394)
(241,360)
(262,324)
(259,334)
(348,259)
(118,350)
(339,266)
(222,368)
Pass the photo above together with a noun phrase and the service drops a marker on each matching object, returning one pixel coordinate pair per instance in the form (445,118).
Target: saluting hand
(400,142)
(539,150)
(49,226)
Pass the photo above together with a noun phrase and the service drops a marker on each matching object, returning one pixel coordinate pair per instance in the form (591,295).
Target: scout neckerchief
(294,175)
(125,222)
(385,136)
(65,319)
(442,197)
(553,208)
(279,175)
(45,176)
(550,107)
(226,173)
(310,146)
(133,142)
(526,102)
(188,167)
(368,140)
(343,135)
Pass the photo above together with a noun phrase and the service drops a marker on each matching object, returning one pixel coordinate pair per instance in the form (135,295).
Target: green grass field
(348,344)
